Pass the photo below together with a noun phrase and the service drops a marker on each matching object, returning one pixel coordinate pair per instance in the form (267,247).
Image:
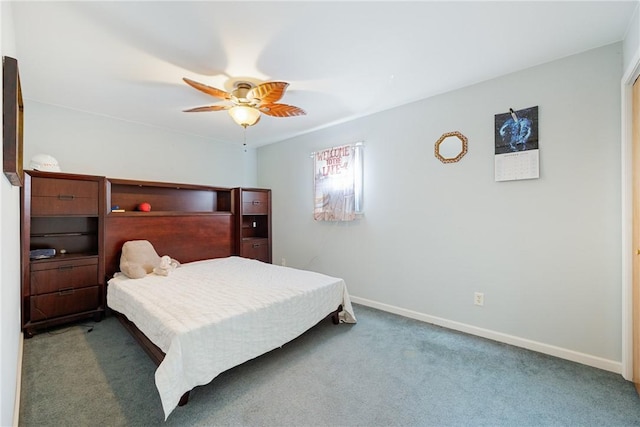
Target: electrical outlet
(283,262)
(478,298)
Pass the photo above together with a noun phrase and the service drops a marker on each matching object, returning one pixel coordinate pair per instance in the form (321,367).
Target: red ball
(144,207)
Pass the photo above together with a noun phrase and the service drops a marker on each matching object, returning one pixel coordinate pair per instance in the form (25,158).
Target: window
(338,176)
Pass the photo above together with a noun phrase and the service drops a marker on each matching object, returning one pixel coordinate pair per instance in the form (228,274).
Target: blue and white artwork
(516,131)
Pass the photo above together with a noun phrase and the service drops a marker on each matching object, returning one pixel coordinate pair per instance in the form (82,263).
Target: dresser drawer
(255,202)
(63,303)
(63,275)
(52,196)
(256,249)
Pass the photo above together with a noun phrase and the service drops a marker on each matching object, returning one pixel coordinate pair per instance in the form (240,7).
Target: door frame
(629,77)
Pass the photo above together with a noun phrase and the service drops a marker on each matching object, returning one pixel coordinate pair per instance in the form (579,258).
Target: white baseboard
(16,405)
(563,353)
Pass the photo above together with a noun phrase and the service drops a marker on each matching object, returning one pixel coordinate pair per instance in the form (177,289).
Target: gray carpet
(384,371)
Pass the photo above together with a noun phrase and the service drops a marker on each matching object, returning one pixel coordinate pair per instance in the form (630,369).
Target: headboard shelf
(167,213)
(168,198)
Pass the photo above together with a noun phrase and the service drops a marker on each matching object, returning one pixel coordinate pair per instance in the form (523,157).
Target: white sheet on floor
(209,316)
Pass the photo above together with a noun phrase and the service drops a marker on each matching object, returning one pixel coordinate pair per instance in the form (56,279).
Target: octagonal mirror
(451,147)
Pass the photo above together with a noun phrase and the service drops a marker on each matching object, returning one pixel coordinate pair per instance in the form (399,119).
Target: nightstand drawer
(51,196)
(256,249)
(63,275)
(255,202)
(63,303)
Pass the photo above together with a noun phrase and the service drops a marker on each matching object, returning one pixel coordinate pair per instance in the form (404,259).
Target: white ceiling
(342,59)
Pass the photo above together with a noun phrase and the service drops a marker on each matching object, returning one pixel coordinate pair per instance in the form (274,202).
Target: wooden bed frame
(186,237)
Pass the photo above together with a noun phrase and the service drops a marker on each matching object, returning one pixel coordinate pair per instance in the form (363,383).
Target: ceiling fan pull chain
(244,133)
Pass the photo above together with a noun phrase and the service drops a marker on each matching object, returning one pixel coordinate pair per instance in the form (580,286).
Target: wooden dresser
(61,212)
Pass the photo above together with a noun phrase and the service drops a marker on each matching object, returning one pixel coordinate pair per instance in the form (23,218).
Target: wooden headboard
(182,229)
(185,238)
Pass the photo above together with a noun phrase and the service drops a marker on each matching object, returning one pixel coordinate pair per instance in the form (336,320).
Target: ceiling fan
(248,100)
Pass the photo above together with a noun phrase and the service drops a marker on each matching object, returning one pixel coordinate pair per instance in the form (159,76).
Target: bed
(208,316)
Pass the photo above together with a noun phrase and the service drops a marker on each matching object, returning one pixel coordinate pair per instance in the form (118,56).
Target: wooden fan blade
(209,90)
(268,92)
(208,108)
(281,110)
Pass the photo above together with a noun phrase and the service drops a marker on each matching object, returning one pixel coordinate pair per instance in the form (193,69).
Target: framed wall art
(12,121)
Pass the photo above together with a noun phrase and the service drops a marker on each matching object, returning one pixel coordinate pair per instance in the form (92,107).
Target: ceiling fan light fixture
(249,101)
(244,116)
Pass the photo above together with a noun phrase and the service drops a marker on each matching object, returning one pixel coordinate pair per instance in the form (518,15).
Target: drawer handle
(256,202)
(65,267)
(66,291)
(66,197)
(256,245)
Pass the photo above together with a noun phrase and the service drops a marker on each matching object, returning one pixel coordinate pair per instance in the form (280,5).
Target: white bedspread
(209,316)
